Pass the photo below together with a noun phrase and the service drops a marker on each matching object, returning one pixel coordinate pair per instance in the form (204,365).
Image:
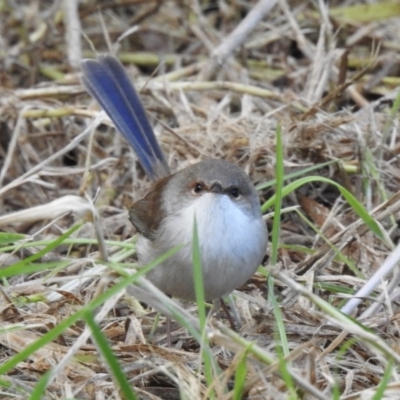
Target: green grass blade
(40,387)
(198,277)
(396,106)
(296,174)
(380,391)
(70,241)
(283,368)
(279,174)
(111,360)
(201,308)
(90,307)
(352,201)
(16,268)
(346,260)
(240,377)
(6,238)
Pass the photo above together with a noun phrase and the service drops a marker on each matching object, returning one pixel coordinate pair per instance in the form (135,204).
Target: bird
(217,193)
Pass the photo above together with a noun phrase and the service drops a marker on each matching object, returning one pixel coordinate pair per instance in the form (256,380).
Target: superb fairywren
(232,234)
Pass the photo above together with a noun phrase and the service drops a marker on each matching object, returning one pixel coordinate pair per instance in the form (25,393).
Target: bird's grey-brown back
(210,172)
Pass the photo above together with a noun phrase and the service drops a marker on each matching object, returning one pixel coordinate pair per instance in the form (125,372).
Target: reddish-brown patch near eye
(147,213)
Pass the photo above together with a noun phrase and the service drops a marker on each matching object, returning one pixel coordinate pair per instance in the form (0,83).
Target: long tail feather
(106,80)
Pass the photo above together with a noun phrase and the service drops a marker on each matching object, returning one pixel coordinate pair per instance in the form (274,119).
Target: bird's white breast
(232,245)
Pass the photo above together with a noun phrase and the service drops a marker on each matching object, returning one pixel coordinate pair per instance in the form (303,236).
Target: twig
(236,38)
(73,32)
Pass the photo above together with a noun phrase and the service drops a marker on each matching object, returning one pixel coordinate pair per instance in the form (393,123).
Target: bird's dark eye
(235,192)
(198,187)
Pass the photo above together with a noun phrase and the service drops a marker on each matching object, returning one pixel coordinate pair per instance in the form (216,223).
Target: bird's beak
(216,188)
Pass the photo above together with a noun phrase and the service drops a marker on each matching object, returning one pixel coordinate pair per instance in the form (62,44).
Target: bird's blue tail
(106,80)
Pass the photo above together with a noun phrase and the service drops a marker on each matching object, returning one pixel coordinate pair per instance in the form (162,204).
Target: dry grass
(330,82)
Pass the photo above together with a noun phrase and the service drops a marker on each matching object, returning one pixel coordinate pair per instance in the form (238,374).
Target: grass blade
(201,309)
(90,307)
(296,174)
(353,202)
(111,360)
